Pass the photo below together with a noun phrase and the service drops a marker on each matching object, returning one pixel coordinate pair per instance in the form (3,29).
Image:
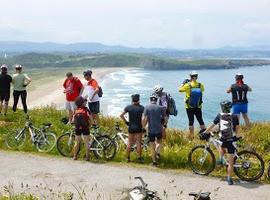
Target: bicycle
(43,141)
(200,195)
(248,165)
(122,138)
(268,172)
(142,192)
(102,146)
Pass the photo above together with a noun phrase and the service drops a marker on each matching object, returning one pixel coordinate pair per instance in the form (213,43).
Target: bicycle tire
(245,167)
(46,142)
(268,172)
(104,147)
(11,141)
(64,145)
(191,162)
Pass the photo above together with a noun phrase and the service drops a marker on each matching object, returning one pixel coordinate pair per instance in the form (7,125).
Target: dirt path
(108,181)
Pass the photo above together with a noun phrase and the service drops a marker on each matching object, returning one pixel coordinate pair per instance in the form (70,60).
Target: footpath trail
(110,181)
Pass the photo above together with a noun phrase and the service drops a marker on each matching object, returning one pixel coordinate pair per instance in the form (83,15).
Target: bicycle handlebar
(141,180)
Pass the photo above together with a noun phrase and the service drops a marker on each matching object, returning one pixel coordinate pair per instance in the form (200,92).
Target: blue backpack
(195,99)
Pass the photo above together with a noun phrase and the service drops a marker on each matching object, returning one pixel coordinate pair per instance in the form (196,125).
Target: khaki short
(70,105)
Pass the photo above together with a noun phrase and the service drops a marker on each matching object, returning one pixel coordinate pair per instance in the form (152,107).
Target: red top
(93,83)
(72,88)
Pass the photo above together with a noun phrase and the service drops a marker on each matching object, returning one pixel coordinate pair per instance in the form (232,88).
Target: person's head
(69,75)
(158,90)
(153,98)
(193,75)
(18,68)
(87,75)
(80,101)
(226,106)
(4,69)
(239,76)
(135,98)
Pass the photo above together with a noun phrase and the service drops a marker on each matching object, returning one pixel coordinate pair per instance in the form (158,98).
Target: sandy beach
(48,90)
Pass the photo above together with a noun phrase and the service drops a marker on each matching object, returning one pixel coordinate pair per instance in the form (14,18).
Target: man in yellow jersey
(193,100)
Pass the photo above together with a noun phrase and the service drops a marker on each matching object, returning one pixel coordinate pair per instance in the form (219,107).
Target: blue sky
(181,24)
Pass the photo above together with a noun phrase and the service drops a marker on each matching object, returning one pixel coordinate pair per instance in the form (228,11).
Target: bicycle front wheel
(268,172)
(65,144)
(46,142)
(201,160)
(104,147)
(15,139)
(248,166)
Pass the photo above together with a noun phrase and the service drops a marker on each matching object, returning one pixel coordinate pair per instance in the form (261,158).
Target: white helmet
(4,67)
(193,73)
(158,88)
(18,66)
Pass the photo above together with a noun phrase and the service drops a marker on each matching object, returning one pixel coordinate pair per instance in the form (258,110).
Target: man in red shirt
(73,89)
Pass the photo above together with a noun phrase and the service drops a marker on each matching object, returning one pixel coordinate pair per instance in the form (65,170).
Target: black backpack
(171,106)
(80,119)
(100,92)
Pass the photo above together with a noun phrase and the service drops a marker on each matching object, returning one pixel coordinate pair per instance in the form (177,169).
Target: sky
(179,24)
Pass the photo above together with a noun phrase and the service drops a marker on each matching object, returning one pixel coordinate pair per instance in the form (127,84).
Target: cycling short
(136,130)
(229,145)
(82,132)
(94,107)
(4,96)
(153,137)
(240,108)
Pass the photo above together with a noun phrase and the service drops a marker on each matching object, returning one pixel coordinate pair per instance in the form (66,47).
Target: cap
(87,73)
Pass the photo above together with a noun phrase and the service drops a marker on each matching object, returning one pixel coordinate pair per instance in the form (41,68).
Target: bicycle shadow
(245,184)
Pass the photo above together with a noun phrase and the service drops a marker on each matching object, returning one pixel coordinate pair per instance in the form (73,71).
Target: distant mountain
(16,47)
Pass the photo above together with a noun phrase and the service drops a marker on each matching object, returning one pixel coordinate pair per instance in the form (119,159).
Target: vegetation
(176,148)
(41,60)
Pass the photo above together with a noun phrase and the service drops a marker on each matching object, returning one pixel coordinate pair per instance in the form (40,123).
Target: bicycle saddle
(201,195)
(46,124)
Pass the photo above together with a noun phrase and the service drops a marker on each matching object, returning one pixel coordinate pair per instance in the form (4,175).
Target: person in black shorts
(228,126)
(5,81)
(135,111)
(154,116)
(82,119)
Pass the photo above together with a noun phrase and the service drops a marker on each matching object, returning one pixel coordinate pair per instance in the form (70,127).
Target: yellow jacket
(186,88)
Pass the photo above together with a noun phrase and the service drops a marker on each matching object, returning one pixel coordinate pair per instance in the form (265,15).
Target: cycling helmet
(193,73)
(18,67)
(153,97)
(135,97)
(239,76)
(87,73)
(4,68)
(79,101)
(226,106)
(158,88)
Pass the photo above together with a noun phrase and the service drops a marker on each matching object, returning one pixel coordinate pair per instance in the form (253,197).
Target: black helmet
(135,97)
(239,76)
(153,97)
(80,100)
(87,73)
(226,106)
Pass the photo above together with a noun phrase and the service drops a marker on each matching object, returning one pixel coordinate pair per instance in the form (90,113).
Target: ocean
(119,86)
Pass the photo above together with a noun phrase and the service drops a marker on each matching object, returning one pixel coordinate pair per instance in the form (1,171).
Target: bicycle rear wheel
(201,160)
(65,144)
(15,139)
(104,147)
(268,172)
(46,142)
(248,166)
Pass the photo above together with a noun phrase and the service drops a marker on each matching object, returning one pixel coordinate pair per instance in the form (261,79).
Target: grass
(176,147)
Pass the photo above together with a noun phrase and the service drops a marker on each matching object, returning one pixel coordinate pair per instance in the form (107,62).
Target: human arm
(122,116)
(144,121)
(229,90)
(183,88)
(249,89)
(28,80)
(95,85)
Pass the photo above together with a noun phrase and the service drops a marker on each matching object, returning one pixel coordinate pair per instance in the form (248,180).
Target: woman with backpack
(194,91)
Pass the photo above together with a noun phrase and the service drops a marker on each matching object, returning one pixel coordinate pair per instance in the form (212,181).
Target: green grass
(176,147)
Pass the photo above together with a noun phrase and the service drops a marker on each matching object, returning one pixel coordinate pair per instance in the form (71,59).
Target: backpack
(195,99)
(226,125)
(100,92)
(81,119)
(171,106)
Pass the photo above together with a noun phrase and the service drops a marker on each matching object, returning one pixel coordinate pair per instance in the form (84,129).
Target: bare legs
(155,149)
(77,146)
(132,139)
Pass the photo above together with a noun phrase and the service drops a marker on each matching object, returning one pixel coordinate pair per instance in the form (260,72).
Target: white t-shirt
(90,89)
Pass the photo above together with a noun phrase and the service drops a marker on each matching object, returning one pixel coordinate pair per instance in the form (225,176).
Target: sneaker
(158,157)
(230,181)
(87,158)
(154,164)
(140,160)
(75,158)
(221,162)
(128,159)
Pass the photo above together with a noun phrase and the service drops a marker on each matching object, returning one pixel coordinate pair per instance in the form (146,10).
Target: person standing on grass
(154,116)
(239,92)
(194,91)
(135,111)
(20,82)
(162,101)
(5,81)
(72,88)
(82,119)
(92,89)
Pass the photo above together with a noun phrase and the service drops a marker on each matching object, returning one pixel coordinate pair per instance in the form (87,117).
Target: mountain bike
(268,172)
(142,192)
(121,138)
(200,195)
(100,144)
(43,140)
(248,165)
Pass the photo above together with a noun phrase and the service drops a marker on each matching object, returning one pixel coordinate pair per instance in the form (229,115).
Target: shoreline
(51,93)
